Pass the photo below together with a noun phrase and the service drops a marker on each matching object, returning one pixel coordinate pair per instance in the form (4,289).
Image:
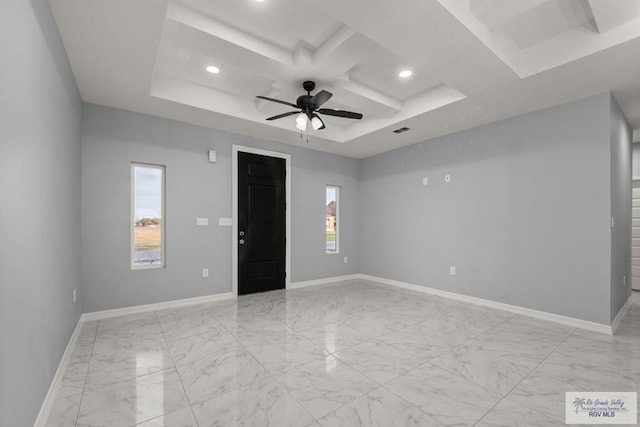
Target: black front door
(261,223)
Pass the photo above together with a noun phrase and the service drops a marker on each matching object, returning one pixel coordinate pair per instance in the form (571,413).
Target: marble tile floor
(354,353)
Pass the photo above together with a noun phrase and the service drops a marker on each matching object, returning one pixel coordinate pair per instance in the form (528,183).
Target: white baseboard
(616,321)
(96,315)
(635,297)
(50,398)
(543,315)
(45,409)
(324,281)
(47,404)
(105,314)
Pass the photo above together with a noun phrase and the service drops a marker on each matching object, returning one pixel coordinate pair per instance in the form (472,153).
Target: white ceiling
(473,62)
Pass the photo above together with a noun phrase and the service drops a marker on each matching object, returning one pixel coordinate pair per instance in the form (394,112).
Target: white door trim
(235,149)
(634,279)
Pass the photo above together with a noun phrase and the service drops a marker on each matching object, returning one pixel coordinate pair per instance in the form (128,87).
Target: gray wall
(620,209)
(525,218)
(40,143)
(112,139)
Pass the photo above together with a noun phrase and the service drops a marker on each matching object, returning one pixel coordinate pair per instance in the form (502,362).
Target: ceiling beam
(494,13)
(610,14)
(194,19)
(334,41)
(371,94)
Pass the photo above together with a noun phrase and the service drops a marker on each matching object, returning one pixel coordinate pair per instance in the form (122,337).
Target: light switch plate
(202,221)
(225,222)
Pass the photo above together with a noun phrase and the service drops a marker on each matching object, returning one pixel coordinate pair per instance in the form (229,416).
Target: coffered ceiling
(472,62)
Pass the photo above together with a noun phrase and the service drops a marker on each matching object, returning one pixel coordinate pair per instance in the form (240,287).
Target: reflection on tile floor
(352,353)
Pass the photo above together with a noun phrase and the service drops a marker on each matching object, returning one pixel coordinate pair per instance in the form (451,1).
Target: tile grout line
(86,378)
(244,347)
(405,400)
(525,377)
(273,306)
(427,362)
(378,387)
(480,385)
(317,359)
(184,390)
(452,348)
(278,382)
(409,403)
(132,378)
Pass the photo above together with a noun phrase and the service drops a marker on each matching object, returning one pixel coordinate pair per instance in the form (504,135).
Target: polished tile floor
(349,354)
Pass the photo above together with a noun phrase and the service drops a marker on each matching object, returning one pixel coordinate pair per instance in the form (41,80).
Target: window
(147,216)
(332,219)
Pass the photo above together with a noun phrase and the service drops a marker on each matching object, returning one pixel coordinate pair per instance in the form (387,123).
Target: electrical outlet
(205,272)
(75,296)
(346,260)
(452,271)
(425,181)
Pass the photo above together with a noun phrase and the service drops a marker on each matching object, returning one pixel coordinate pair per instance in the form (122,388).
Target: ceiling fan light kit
(309,107)
(301,122)
(316,122)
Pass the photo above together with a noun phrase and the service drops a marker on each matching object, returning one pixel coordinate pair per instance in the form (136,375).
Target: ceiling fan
(309,108)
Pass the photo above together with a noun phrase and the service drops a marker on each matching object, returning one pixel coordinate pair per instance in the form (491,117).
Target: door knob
(241,241)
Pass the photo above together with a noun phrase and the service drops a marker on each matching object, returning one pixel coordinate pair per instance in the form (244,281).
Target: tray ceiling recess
(270,49)
(471,62)
(538,35)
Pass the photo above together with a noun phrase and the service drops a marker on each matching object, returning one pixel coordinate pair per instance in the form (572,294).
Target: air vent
(404,129)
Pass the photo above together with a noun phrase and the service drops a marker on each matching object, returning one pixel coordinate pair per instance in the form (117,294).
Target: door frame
(235,149)
(635,183)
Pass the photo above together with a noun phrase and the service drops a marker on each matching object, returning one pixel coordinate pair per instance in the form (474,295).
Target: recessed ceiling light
(213,69)
(405,73)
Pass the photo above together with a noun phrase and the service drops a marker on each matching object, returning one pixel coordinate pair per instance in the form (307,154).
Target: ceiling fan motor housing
(305,104)
(304,101)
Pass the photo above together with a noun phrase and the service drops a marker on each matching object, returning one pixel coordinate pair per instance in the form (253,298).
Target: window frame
(132,216)
(337,189)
